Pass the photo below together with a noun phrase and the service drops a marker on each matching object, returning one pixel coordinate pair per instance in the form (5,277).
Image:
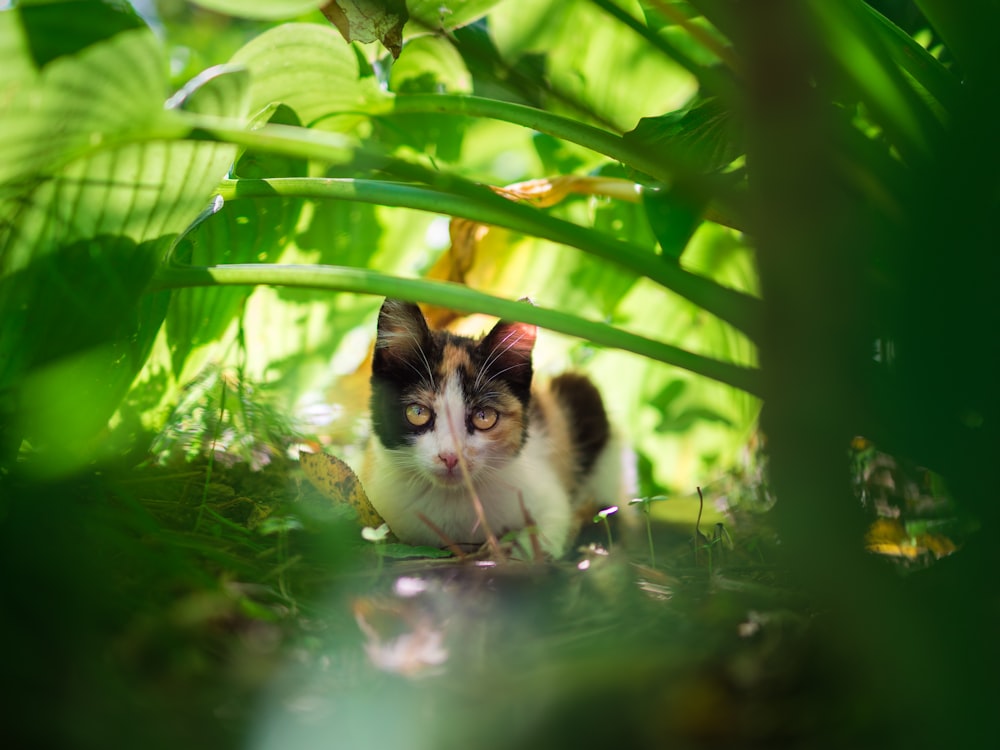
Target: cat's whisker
(427,366)
(495,375)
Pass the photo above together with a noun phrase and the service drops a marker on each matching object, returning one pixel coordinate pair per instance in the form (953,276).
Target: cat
(443,406)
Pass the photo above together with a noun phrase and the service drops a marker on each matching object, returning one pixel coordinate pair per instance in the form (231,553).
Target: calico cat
(445,406)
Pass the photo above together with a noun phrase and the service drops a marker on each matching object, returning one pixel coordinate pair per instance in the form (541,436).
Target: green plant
(859,163)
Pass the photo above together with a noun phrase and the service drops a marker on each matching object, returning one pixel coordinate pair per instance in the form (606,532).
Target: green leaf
(310,69)
(860,48)
(92,195)
(72,336)
(243,230)
(435,15)
(48,36)
(430,65)
(613,78)
(427,65)
(704,133)
(265,10)
(80,154)
(673,214)
(970,36)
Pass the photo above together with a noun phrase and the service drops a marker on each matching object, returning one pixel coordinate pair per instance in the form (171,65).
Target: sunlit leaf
(49,37)
(240,231)
(312,70)
(614,77)
(430,65)
(91,198)
(269,10)
(434,15)
(427,65)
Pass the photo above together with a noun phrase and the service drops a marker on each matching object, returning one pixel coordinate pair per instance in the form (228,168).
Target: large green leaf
(311,69)
(434,15)
(91,197)
(48,37)
(614,76)
(243,230)
(427,65)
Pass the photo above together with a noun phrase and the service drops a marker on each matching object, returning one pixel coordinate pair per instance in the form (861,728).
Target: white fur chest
(401,494)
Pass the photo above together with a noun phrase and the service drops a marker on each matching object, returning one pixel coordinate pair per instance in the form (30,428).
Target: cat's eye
(418,415)
(484,417)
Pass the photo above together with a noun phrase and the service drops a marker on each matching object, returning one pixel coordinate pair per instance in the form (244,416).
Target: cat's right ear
(402,331)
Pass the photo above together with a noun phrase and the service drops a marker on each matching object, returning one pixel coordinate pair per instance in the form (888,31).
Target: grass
(234,608)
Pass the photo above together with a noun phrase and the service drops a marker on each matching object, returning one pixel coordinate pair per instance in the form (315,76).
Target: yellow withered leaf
(337,481)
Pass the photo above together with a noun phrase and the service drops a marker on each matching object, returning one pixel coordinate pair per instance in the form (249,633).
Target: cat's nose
(450,460)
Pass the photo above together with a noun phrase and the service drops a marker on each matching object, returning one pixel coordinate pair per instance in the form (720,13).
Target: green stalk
(457,297)
(733,307)
(451,194)
(662,164)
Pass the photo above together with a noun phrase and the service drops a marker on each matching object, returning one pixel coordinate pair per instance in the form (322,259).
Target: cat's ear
(507,350)
(402,331)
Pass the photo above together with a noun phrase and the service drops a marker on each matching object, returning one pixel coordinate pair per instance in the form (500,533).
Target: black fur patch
(399,368)
(588,420)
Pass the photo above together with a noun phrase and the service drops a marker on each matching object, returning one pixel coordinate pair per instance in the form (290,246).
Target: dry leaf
(889,537)
(478,251)
(337,481)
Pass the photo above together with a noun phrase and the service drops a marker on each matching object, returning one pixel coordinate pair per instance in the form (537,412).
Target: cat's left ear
(402,333)
(507,350)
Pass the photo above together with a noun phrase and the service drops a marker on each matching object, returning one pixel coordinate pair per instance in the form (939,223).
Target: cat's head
(439,399)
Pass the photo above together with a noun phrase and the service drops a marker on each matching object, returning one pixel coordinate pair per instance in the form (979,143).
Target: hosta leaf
(674,214)
(614,76)
(91,197)
(48,36)
(430,65)
(427,65)
(310,69)
(704,134)
(241,231)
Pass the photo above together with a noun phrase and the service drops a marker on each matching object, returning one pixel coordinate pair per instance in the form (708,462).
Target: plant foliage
(806,220)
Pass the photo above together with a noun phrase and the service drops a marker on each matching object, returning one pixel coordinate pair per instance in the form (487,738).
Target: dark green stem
(661,163)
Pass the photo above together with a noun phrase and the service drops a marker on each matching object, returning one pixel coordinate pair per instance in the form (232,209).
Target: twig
(536,545)
(697,525)
(449,543)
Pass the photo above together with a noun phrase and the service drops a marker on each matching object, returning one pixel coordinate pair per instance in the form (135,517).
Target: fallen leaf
(338,482)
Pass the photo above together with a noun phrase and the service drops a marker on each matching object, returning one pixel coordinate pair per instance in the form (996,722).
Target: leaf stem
(736,308)
(458,297)
(664,164)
